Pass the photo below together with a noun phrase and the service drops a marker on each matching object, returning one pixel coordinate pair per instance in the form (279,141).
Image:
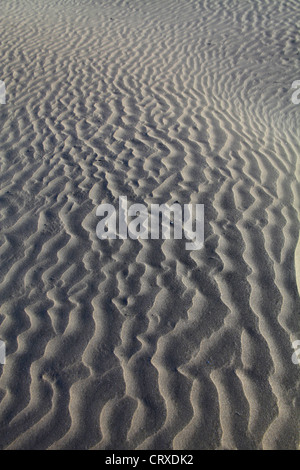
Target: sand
(141,344)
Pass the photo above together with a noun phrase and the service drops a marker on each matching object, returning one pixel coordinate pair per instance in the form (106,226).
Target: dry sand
(142,344)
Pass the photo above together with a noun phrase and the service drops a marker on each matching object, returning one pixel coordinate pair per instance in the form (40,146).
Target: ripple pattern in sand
(141,344)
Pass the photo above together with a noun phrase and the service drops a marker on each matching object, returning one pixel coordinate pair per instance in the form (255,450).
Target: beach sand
(142,344)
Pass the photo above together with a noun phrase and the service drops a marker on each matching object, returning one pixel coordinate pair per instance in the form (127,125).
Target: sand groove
(142,344)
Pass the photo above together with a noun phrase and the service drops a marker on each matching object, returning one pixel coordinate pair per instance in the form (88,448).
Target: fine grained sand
(142,344)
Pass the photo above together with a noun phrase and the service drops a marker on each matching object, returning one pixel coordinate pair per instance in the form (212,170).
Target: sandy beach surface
(142,344)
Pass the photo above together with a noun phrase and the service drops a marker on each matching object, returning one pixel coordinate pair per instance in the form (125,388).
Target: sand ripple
(141,344)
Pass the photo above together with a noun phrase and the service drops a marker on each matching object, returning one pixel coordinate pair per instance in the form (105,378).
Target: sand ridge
(142,344)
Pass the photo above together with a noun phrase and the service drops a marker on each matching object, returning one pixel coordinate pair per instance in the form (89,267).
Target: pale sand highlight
(142,344)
